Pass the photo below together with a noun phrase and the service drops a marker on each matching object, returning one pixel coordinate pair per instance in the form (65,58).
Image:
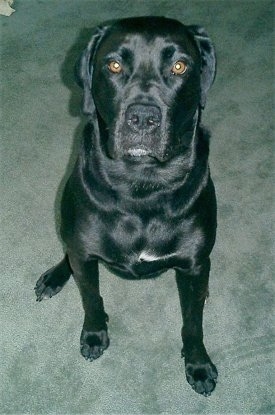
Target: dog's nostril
(134,119)
(152,121)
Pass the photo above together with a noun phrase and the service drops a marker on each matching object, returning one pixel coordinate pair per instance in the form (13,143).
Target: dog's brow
(125,53)
(168,52)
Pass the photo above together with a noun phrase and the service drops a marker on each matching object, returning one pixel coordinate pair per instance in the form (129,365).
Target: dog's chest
(140,246)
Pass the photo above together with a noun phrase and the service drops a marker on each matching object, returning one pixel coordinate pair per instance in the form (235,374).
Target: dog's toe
(92,344)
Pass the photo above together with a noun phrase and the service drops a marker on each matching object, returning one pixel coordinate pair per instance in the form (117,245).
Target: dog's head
(146,79)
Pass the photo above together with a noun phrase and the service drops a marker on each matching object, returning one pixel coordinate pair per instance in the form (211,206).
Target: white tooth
(137,152)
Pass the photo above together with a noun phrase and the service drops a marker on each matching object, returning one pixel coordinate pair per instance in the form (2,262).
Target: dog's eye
(179,68)
(114,67)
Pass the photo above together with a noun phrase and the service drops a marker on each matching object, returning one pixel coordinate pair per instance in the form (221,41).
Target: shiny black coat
(118,210)
(140,198)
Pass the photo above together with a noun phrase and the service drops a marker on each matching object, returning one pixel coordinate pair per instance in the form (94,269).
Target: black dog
(140,197)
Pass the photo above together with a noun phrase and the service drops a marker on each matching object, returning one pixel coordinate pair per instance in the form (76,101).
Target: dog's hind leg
(53,280)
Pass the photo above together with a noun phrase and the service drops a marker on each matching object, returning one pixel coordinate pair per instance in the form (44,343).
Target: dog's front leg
(94,337)
(193,290)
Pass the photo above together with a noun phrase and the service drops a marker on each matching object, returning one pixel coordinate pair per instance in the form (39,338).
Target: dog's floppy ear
(84,69)
(208,59)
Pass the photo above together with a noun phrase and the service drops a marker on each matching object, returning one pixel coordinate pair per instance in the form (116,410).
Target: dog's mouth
(137,152)
(142,155)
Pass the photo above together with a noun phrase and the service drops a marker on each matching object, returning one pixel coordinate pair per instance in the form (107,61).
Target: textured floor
(41,369)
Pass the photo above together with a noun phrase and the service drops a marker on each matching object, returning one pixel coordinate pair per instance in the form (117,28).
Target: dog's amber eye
(179,68)
(114,67)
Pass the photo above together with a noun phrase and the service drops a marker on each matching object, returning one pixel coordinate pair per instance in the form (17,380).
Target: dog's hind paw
(53,280)
(49,284)
(93,343)
(202,377)
(45,288)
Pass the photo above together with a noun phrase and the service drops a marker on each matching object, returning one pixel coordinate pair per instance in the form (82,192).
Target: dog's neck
(145,186)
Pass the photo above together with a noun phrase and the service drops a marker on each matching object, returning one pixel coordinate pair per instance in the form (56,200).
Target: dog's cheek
(185,106)
(103,96)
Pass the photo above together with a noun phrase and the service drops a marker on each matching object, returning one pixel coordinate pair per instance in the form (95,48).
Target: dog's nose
(141,117)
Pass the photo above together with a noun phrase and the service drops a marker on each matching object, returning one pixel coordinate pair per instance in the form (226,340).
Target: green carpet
(41,369)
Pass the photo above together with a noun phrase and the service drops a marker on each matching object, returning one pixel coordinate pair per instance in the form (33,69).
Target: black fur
(140,197)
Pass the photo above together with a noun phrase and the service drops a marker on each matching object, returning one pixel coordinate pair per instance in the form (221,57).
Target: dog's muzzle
(140,133)
(142,125)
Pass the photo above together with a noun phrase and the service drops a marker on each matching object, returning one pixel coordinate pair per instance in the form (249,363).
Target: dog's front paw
(202,377)
(93,343)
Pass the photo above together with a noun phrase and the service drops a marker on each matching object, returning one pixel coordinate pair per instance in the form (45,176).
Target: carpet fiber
(42,371)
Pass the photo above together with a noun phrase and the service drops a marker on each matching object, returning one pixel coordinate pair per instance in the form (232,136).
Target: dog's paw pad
(92,344)
(202,377)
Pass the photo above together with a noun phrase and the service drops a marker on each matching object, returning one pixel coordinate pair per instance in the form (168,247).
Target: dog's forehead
(145,34)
